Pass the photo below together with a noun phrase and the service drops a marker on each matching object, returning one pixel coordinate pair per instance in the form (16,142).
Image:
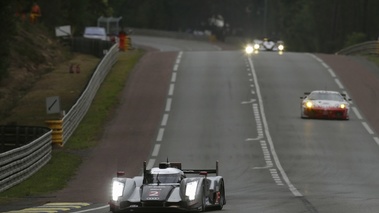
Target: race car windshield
(163,178)
(326,96)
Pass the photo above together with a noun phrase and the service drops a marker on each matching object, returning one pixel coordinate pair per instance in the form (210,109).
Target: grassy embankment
(64,162)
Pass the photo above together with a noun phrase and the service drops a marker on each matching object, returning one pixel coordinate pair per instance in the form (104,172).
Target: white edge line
(171,91)
(150,164)
(156,150)
(338,82)
(164,119)
(359,116)
(160,134)
(173,77)
(291,187)
(367,127)
(176,66)
(168,105)
(330,70)
(376,140)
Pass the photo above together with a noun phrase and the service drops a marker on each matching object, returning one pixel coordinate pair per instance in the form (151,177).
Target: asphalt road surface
(197,102)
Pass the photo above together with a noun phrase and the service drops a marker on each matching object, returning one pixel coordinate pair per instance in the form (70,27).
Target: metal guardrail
(72,119)
(20,163)
(365,48)
(12,137)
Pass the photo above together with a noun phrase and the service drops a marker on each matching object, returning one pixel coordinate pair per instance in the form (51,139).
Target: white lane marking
(171,90)
(167,109)
(331,72)
(258,122)
(176,66)
(160,134)
(359,116)
(93,209)
(367,127)
(248,102)
(168,105)
(150,164)
(164,120)
(166,115)
(317,58)
(291,187)
(376,140)
(266,154)
(275,176)
(156,150)
(173,77)
(338,82)
(325,65)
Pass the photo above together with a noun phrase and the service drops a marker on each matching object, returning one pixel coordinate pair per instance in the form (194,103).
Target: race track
(197,102)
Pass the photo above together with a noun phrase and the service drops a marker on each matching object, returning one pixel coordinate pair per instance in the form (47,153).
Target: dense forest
(304,25)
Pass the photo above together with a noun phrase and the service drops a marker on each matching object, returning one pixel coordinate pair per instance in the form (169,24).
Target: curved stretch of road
(197,103)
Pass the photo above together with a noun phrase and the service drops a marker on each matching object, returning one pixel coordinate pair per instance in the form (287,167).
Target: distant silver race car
(265,45)
(324,104)
(167,188)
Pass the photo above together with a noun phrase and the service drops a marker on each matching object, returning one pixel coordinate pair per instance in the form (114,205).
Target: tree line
(304,25)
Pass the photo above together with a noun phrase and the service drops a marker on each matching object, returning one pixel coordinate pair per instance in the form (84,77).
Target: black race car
(167,188)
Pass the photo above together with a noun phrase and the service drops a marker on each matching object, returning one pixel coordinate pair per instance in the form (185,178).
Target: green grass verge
(86,135)
(373,58)
(64,161)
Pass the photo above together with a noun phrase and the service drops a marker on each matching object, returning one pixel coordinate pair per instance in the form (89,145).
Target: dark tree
(7,24)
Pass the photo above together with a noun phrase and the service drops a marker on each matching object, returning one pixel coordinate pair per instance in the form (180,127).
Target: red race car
(324,104)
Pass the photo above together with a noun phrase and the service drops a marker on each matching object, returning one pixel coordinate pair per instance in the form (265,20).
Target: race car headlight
(191,190)
(281,47)
(117,189)
(309,104)
(342,106)
(249,49)
(256,46)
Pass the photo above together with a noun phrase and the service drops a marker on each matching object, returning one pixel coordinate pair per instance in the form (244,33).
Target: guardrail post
(57,131)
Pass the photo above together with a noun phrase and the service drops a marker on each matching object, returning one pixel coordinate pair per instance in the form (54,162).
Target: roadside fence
(365,48)
(20,163)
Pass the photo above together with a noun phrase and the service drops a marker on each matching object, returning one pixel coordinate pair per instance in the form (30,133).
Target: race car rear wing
(199,171)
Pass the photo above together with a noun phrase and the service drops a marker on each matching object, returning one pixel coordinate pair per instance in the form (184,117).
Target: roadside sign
(53,105)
